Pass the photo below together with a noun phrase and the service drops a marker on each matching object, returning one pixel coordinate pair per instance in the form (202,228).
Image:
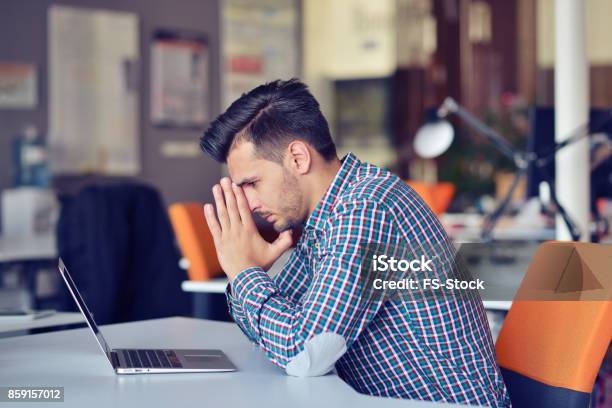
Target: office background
(380,70)
(24,29)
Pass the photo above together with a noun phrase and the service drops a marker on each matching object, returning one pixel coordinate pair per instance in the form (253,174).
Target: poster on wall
(179,79)
(18,86)
(93,91)
(259,44)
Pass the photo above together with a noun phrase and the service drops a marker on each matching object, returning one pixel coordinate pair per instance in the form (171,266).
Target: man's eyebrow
(245,181)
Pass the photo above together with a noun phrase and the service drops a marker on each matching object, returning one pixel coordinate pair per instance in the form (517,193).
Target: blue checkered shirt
(428,349)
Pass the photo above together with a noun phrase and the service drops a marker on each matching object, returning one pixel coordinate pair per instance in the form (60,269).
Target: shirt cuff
(252,287)
(232,303)
(237,313)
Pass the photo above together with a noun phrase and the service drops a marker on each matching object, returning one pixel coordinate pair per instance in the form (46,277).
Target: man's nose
(252,199)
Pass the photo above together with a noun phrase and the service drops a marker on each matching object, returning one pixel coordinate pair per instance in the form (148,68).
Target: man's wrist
(235,272)
(251,286)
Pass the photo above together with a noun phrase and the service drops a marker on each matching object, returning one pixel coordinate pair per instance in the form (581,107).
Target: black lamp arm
(491,220)
(579,133)
(451,106)
(569,223)
(522,160)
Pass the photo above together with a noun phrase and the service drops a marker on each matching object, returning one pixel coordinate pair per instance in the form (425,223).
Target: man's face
(272,191)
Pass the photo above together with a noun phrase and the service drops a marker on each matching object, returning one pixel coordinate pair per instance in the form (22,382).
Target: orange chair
(195,240)
(443,194)
(550,350)
(437,196)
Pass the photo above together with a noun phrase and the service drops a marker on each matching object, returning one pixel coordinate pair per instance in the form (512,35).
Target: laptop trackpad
(201,358)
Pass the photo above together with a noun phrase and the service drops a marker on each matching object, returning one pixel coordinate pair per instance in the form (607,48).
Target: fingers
(243,207)
(221,209)
(213,224)
(230,201)
(282,243)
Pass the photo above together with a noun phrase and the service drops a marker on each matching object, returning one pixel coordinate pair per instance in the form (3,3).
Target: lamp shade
(433,139)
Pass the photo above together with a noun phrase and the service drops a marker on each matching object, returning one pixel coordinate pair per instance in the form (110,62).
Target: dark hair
(270,116)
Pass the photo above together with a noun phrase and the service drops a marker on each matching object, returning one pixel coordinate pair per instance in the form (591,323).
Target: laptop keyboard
(151,358)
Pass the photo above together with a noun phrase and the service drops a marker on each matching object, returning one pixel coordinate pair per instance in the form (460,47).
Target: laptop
(141,361)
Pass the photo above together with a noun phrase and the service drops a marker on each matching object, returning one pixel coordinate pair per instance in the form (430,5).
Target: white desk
(21,249)
(468,228)
(29,252)
(56,319)
(72,359)
(503,305)
(218,285)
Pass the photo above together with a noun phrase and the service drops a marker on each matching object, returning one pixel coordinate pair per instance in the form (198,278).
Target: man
(313,316)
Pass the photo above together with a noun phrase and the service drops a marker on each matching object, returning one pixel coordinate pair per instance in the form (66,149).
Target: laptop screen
(84,310)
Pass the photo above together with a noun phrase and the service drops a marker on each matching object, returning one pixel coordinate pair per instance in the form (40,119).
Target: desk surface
(468,228)
(56,319)
(218,285)
(38,247)
(72,359)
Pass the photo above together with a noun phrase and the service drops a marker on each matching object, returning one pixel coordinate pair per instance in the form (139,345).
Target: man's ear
(298,157)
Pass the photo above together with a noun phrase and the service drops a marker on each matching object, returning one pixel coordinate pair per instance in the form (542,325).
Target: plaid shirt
(429,349)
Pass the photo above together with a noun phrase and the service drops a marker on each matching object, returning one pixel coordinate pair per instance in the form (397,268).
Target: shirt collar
(348,171)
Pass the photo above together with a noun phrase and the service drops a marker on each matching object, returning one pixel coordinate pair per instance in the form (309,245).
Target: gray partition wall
(24,38)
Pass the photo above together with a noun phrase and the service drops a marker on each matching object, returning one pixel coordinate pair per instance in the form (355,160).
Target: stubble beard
(291,198)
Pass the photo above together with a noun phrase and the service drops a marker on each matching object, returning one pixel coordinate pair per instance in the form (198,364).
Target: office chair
(437,196)
(550,351)
(443,193)
(195,240)
(118,243)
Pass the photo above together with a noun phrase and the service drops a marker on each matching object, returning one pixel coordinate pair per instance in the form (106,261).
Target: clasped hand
(237,241)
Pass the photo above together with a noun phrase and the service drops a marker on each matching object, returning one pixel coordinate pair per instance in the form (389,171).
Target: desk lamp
(435,138)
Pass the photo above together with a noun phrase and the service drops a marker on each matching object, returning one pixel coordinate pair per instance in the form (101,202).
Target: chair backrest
(423,190)
(443,195)
(195,240)
(550,350)
(118,243)
(437,196)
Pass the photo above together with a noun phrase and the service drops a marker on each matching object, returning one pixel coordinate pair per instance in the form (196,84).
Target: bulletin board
(93,91)
(180,89)
(260,44)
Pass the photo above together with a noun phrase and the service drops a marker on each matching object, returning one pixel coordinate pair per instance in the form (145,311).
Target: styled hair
(270,116)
